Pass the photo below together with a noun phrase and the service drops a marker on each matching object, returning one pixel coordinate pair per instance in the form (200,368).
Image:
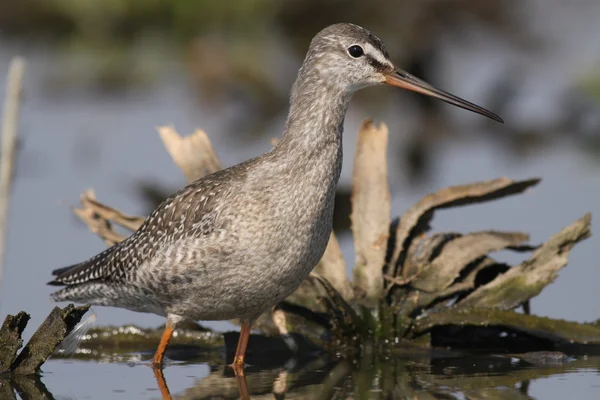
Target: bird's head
(349,57)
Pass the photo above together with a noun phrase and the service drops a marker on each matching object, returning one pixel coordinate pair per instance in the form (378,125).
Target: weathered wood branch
(42,344)
(193,154)
(130,222)
(438,274)
(48,336)
(557,331)
(370,210)
(333,268)
(10,339)
(415,221)
(527,280)
(94,215)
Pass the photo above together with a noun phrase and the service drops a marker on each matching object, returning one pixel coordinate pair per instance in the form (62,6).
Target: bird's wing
(191,211)
(81,272)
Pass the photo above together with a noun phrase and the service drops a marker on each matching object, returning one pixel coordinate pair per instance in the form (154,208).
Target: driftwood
(43,343)
(529,278)
(370,210)
(415,221)
(439,274)
(10,339)
(332,267)
(193,154)
(562,333)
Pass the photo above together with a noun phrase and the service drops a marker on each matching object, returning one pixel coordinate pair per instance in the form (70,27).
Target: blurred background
(102,75)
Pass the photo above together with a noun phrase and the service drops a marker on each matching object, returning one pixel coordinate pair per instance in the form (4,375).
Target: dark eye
(355,51)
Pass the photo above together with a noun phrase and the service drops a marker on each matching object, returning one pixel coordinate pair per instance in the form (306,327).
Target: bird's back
(188,213)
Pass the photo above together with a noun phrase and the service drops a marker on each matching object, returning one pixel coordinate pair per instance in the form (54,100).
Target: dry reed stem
(10,128)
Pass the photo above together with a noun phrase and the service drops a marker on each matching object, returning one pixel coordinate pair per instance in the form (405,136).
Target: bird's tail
(90,293)
(90,270)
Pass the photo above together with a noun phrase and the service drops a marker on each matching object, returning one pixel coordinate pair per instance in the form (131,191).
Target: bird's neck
(313,131)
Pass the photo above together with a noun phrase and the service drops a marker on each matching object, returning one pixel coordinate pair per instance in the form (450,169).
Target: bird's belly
(259,260)
(244,287)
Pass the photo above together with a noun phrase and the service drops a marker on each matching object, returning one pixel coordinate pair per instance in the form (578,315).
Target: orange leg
(240,353)
(162,346)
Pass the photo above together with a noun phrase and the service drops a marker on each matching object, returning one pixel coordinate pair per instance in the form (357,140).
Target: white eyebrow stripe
(377,55)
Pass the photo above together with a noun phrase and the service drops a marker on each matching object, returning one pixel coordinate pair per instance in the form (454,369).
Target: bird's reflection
(422,375)
(162,383)
(242,384)
(410,376)
(224,382)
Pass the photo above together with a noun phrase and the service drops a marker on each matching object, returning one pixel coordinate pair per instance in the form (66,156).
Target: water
(76,139)
(413,376)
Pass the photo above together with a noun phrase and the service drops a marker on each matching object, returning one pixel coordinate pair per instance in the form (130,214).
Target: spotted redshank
(235,243)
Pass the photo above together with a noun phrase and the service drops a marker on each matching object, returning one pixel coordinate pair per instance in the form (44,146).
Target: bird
(235,243)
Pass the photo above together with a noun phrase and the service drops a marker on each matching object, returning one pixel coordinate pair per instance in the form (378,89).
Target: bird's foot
(238,366)
(156,365)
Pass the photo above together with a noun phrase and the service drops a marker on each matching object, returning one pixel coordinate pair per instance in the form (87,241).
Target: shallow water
(416,376)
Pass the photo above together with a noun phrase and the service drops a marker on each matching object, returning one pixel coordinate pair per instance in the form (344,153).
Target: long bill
(405,80)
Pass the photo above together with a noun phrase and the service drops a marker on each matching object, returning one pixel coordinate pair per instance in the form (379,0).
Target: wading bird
(235,243)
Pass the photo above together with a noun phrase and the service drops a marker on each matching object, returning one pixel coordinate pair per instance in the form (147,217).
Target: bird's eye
(355,51)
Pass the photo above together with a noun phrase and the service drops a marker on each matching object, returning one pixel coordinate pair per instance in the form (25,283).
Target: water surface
(416,376)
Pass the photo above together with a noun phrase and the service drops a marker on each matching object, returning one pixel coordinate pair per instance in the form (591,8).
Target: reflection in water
(242,384)
(413,375)
(27,387)
(313,380)
(240,381)
(162,384)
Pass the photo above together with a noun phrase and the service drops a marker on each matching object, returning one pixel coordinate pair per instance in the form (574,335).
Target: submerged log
(561,334)
(48,336)
(123,340)
(10,339)
(42,344)
(29,387)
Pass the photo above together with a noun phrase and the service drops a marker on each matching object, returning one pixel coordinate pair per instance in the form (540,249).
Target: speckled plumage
(235,243)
